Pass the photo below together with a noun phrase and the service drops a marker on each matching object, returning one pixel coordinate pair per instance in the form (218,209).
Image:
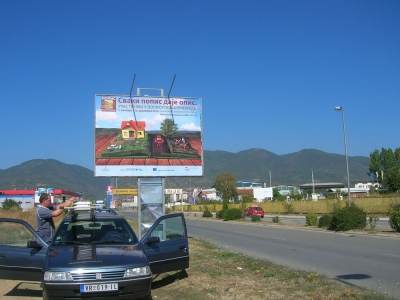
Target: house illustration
(132,129)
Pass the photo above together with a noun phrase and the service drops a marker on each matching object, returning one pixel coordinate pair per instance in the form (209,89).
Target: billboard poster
(141,136)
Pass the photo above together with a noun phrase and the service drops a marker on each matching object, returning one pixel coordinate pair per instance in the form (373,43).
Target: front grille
(110,275)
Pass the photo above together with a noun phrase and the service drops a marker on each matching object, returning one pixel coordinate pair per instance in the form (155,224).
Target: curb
(393,235)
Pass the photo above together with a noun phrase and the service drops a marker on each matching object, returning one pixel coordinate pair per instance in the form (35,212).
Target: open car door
(166,244)
(22,251)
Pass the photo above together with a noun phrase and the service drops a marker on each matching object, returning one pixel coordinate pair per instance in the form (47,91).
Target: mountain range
(248,165)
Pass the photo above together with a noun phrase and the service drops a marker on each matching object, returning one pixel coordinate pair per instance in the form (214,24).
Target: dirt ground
(218,274)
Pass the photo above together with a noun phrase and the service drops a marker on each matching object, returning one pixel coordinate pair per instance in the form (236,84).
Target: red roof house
(132,129)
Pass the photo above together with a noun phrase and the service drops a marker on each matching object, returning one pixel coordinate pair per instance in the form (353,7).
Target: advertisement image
(148,136)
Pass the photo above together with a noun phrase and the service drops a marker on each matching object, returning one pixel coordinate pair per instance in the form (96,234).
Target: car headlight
(57,276)
(134,272)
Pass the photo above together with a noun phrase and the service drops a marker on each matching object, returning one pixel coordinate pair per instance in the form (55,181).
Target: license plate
(101,287)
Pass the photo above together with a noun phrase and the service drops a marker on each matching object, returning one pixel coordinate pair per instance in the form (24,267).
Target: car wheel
(148,297)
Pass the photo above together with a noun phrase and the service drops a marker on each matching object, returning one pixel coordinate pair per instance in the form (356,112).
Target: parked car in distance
(254,211)
(94,254)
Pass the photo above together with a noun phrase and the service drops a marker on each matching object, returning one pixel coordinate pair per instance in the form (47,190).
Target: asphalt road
(367,261)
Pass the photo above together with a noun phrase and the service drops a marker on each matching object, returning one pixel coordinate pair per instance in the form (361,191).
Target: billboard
(143,136)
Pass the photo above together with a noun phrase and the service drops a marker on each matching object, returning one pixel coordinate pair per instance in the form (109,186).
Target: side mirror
(34,245)
(153,240)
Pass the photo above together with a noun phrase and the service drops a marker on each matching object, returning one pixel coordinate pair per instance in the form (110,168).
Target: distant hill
(294,168)
(253,164)
(53,173)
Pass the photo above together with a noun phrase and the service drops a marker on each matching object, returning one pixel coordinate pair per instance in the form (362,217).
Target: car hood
(88,256)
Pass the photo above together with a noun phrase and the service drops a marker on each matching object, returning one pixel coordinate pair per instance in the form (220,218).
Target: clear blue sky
(270,72)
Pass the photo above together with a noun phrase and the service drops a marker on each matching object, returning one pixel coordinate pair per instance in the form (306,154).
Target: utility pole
(341,109)
(270,179)
(312,178)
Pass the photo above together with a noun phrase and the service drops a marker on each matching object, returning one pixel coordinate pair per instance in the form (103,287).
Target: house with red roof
(28,198)
(133,129)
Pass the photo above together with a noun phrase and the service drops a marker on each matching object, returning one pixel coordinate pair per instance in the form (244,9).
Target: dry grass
(372,205)
(28,216)
(218,274)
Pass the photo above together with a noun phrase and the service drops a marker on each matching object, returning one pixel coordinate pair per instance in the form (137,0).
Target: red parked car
(255,211)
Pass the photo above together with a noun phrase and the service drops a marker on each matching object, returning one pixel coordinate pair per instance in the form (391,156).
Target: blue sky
(269,72)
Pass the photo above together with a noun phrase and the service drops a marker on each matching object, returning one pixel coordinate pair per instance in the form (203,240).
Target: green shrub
(207,214)
(394,217)
(289,207)
(311,219)
(11,204)
(232,214)
(275,219)
(220,214)
(325,221)
(255,218)
(347,218)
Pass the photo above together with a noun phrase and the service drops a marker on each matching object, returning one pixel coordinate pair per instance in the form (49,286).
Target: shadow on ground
(353,276)
(169,279)
(26,289)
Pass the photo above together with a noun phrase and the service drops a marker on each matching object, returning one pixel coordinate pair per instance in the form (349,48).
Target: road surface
(367,261)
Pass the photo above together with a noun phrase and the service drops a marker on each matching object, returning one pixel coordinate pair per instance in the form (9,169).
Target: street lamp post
(341,109)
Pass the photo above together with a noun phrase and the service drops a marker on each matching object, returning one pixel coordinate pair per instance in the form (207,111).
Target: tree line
(384,167)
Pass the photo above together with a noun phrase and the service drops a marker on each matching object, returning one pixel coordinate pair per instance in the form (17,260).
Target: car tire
(148,297)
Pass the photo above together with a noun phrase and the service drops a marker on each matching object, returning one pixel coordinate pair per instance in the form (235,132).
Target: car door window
(14,234)
(169,229)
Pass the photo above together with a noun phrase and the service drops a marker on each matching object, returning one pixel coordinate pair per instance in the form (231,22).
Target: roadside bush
(207,214)
(347,218)
(275,219)
(255,218)
(394,217)
(311,219)
(325,221)
(220,214)
(232,214)
(289,207)
(11,204)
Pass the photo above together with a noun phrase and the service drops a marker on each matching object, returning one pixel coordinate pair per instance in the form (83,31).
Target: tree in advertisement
(168,127)
(225,185)
(384,165)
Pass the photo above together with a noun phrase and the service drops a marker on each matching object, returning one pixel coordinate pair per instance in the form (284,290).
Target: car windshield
(99,231)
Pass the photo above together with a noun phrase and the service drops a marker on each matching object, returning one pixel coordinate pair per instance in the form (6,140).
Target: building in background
(123,197)
(244,184)
(28,198)
(25,198)
(174,195)
(258,193)
(210,195)
(287,190)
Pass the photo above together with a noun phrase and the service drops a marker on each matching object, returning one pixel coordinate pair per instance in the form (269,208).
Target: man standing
(45,214)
